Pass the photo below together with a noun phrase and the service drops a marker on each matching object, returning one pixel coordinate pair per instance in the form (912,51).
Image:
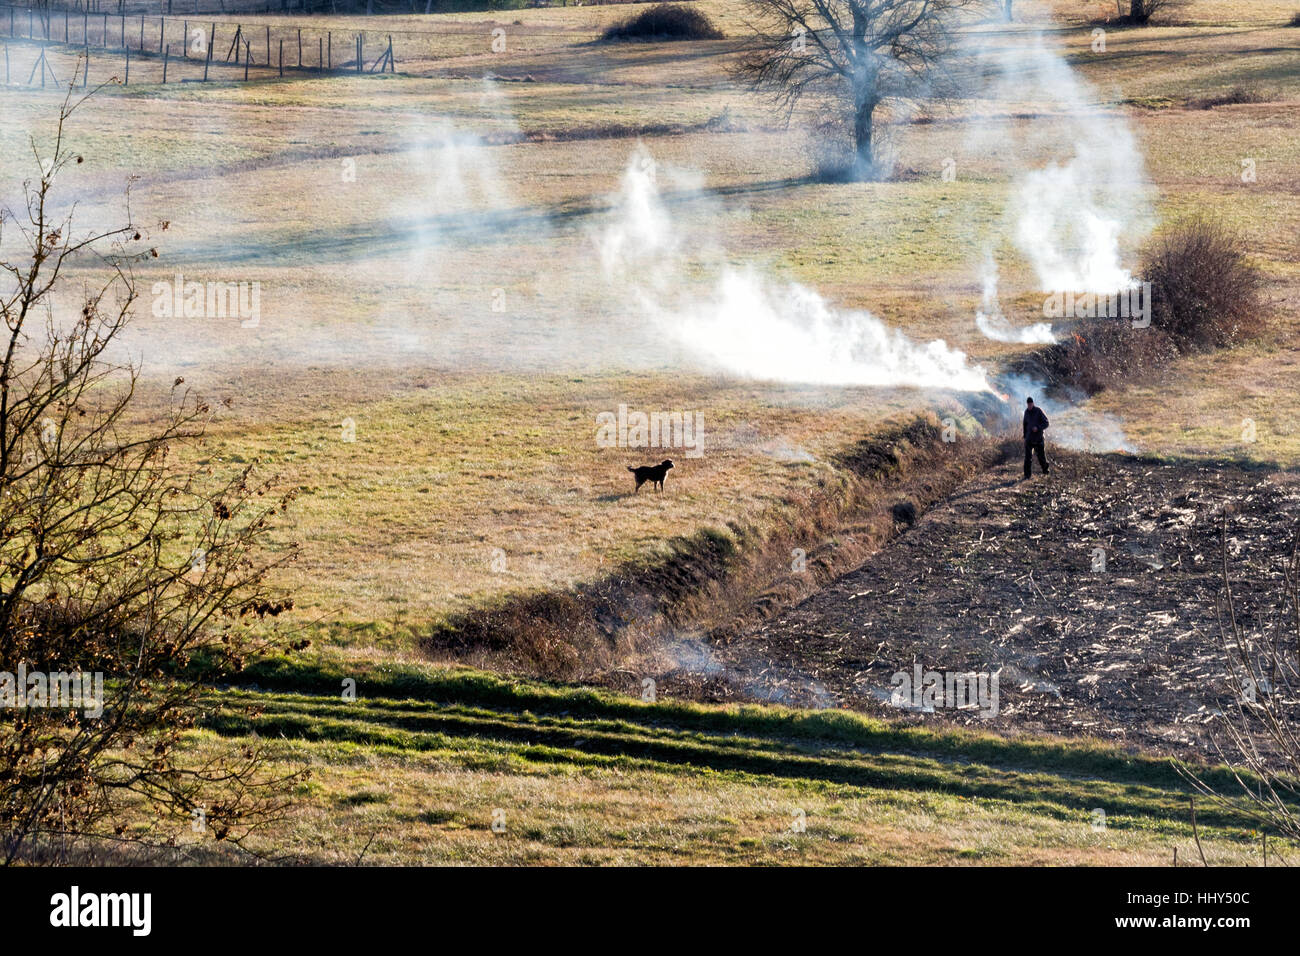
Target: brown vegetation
(717,579)
(665,21)
(1204,294)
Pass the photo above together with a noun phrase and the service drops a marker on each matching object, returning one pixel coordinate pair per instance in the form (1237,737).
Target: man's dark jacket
(1035,424)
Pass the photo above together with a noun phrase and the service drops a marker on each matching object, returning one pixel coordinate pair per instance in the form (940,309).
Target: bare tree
(120,557)
(852,55)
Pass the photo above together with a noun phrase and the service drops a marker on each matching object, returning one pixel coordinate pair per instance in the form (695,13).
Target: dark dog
(651,473)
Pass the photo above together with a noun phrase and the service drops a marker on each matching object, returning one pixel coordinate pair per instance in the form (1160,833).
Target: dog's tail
(630,468)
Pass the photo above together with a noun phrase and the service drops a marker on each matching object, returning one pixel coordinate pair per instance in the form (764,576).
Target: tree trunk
(863,123)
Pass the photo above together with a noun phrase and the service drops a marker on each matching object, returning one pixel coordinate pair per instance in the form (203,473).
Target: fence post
(208,59)
(360,51)
(142,34)
(127,51)
(329,49)
(185,45)
(166,54)
(282,57)
(320,53)
(248,55)
(162,25)
(268,45)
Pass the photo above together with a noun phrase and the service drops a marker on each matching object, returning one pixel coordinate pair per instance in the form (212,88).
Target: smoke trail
(1070,213)
(745,324)
(994,325)
(1073,425)
(1067,216)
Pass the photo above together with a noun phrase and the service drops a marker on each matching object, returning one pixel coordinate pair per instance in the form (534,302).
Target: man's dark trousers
(1031,446)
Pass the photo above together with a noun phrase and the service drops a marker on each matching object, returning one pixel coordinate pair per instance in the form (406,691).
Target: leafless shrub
(1258,735)
(831,153)
(1232,97)
(1143,12)
(1205,293)
(1099,354)
(665,21)
(101,520)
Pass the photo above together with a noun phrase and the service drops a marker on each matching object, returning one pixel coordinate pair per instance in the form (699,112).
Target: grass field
(418,767)
(377,311)
(387,217)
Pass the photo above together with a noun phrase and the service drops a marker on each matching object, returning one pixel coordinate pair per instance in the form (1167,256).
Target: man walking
(1035,424)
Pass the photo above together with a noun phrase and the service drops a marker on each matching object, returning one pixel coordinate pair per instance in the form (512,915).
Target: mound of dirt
(1091,592)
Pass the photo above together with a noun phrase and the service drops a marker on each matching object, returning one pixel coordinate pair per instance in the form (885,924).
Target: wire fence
(330,7)
(163,48)
(187,49)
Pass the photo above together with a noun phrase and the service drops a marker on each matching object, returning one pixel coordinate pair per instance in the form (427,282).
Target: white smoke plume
(1067,215)
(1070,213)
(994,325)
(1073,425)
(738,321)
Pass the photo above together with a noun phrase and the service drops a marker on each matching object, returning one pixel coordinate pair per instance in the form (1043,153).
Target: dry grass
(450,463)
(464,446)
(584,777)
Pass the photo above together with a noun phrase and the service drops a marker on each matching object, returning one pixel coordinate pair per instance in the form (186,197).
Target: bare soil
(1006,576)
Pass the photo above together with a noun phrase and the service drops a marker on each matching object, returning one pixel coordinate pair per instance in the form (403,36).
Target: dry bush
(1141,13)
(1205,293)
(831,154)
(1234,96)
(665,21)
(117,561)
(1099,354)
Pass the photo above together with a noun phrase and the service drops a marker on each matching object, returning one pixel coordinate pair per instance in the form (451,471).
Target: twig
(365,848)
(1196,834)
